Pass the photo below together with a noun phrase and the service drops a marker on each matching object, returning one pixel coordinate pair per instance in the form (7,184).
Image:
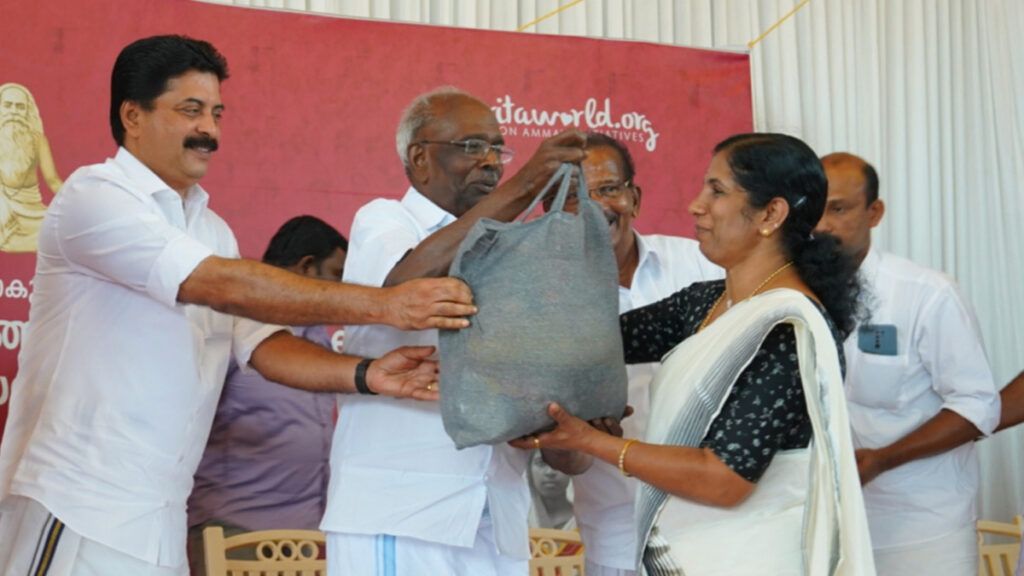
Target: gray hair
(419,113)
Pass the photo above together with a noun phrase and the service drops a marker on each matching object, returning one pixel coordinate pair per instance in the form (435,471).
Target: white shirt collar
(430,216)
(869,266)
(646,252)
(147,182)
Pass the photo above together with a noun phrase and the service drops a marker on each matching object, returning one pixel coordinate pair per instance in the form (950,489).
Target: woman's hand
(610,425)
(570,433)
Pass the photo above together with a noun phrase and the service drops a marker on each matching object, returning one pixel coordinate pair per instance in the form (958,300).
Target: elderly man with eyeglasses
(402,500)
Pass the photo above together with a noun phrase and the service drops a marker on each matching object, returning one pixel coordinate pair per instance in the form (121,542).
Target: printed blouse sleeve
(765,411)
(651,331)
(648,333)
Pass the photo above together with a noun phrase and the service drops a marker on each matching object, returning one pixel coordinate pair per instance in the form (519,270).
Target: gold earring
(766,233)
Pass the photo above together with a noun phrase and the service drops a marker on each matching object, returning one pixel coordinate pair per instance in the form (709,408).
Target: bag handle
(562,176)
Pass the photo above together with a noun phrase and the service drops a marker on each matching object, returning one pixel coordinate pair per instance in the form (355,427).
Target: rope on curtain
(754,42)
(548,15)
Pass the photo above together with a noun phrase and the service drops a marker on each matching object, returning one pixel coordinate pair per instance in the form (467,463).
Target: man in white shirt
(140,299)
(402,500)
(651,267)
(919,389)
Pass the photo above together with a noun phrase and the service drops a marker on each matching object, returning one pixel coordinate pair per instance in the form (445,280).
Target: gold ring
(536,442)
(430,386)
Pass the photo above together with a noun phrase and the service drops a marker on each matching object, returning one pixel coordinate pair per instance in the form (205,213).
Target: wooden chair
(555,553)
(277,552)
(999,559)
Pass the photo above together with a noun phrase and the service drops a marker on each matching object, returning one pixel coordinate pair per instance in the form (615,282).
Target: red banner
(313,102)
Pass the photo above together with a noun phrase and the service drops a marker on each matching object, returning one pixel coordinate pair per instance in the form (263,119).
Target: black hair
(144,67)
(771,166)
(870,184)
(597,139)
(303,236)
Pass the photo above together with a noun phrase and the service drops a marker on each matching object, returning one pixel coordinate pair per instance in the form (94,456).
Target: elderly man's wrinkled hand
(564,147)
(430,303)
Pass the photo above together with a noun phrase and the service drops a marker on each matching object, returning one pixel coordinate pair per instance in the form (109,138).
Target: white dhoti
(33,541)
(388,555)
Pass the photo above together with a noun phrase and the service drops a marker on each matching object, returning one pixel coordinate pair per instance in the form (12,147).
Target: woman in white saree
(748,464)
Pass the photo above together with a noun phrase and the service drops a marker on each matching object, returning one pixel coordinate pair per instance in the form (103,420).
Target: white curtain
(929,91)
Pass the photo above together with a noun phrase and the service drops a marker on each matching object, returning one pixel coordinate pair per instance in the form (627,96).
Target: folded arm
(951,350)
(943,432)
(1012,398)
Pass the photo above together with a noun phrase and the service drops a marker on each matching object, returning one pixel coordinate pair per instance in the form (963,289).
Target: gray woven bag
(547,329)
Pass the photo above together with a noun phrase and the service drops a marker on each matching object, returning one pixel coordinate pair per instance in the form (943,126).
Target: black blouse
(765,411)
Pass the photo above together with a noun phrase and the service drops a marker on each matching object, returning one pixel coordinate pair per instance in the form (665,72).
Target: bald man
(919,389)
(402,499)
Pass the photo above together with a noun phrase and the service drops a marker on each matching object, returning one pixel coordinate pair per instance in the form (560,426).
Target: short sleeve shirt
(118,381)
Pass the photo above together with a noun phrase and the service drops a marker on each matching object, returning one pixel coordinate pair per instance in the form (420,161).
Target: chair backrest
(555,553)
(999,559)
(278,552)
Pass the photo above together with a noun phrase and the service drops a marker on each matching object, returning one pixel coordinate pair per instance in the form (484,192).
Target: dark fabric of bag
(547,329)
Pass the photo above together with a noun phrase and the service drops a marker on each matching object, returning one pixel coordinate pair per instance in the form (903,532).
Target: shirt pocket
(877,381)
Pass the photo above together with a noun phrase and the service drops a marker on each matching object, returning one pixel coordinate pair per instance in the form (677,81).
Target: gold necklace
(714,306)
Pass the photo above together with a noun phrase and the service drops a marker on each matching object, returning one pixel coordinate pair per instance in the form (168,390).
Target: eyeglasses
(477,149)
(610,191)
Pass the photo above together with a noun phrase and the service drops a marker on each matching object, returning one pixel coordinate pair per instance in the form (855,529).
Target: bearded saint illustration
(24,152)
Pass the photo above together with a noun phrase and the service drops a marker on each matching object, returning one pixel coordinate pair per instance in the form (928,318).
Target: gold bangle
(622,457)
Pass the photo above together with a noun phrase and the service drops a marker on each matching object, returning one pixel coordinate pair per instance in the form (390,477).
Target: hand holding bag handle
(563,176)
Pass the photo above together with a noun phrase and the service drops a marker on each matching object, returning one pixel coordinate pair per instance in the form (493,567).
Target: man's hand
(405,373)
(566,146)
(870,463)
(429,303)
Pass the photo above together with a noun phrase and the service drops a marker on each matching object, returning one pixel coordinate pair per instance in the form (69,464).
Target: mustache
(11,118)
(202,142)
(611,217)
